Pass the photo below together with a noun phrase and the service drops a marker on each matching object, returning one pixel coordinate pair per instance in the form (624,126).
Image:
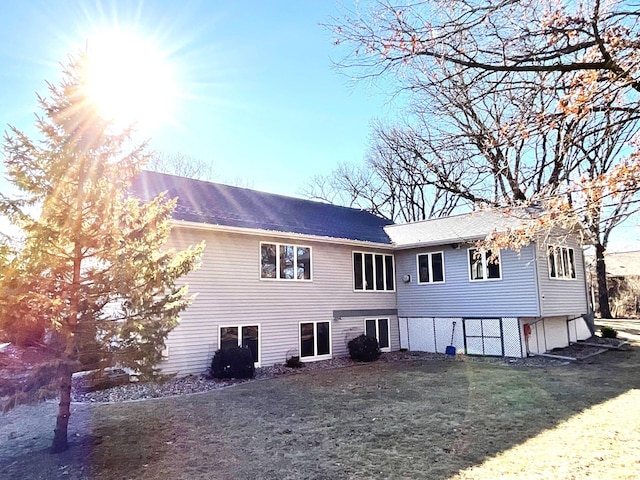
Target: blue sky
(261,101)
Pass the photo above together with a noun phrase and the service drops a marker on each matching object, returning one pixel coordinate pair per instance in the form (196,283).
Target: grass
(421,419)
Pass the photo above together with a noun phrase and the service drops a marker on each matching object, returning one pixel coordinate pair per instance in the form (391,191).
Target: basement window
(241,336)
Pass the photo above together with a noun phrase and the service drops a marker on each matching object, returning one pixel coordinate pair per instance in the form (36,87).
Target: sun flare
(129,80)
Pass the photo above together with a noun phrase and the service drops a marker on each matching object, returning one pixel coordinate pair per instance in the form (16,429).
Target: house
(290,277)
(507,304)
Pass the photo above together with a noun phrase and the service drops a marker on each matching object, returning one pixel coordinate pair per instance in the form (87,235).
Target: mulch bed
(588,348)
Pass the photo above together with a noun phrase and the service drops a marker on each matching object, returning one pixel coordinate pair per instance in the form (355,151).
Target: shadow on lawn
(419,419)
(415,419)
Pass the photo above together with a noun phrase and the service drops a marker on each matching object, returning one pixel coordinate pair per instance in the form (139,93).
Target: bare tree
(526,101)
(191,167)
(389,183)
(181,165)
(599,149)
(511,152)
(625,293)
(596,41)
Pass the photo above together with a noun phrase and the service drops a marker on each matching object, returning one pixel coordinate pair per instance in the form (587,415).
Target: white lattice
(404,332)
(444,327)
(421,335)
(511,337)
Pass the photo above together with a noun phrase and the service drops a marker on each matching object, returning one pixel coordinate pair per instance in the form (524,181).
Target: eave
(278,234)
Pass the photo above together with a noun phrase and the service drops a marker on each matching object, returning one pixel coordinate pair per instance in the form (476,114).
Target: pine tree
(89,275)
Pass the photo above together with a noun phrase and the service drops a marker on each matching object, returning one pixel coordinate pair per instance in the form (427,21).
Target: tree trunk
(60,441)
(601,279)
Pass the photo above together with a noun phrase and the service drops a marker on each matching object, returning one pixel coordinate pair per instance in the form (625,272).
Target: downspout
(589,316)
(540,318)
(536,259)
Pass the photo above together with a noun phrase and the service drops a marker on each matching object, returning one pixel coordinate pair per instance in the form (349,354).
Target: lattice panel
(493,346)
(512,338)
(444,327)
(491,328)
(404,332)
(421,335)
(473,327)
(483,336)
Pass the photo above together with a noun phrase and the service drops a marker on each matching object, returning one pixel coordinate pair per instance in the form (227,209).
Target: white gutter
(275,233)
(536,269)
(437,243)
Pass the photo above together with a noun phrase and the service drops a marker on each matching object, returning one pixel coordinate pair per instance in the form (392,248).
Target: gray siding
(514,295)
(562,296)
(230,292)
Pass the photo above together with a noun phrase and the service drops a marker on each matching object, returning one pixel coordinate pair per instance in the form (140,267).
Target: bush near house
(294,362)
(235,362)
(608,332)
(364,349)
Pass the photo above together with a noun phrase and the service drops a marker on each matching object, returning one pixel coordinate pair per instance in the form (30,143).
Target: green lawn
(420,419)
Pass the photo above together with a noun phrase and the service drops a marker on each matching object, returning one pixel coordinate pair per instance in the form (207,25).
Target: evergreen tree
(89,278)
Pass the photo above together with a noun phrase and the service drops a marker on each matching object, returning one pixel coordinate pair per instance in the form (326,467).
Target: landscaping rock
(96,380)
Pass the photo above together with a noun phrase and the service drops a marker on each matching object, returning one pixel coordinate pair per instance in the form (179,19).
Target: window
(562,262)
(241,336)
(285,262)
(431,267)
(482,266)
(315,340)
(373,271)
(378,328)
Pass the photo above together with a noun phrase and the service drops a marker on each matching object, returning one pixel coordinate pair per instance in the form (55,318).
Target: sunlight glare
(129,80)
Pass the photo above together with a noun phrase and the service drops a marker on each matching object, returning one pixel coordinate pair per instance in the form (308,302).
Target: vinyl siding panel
(230,292)
(562,296)
(514,295)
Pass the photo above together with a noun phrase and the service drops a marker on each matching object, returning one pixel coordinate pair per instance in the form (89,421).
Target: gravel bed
(199,383)
(193,384)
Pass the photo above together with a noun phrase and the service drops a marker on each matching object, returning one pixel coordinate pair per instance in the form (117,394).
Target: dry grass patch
(418,419)
(601,442)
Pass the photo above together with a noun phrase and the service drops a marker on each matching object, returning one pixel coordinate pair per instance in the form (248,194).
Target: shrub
(235,362)
(608,332)
(294,362)
(364,349)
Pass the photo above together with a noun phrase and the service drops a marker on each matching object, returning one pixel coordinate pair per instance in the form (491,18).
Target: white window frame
(485,270)
(430,255)
(295,262)
(377,320)
(239,327)
(315,357)
(559,264)
(384,271)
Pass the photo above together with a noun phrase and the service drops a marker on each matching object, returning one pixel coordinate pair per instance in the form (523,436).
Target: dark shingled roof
(216,204)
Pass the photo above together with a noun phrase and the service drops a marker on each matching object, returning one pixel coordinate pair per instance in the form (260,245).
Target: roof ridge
(446,217)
